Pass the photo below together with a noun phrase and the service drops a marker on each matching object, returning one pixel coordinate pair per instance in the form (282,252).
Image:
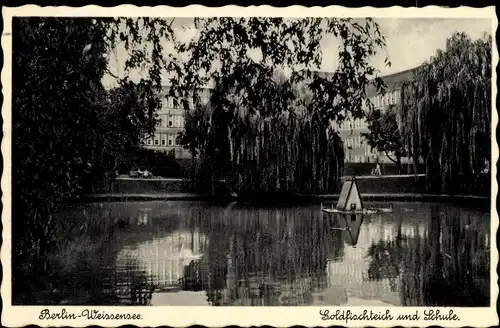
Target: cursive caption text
(87,314)
(365,315)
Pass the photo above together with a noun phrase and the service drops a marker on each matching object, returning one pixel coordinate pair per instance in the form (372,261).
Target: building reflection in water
(289,255)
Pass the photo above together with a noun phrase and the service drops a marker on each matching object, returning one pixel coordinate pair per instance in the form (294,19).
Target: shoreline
(173,196)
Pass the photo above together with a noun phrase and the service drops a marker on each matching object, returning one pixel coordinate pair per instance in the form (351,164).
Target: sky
(410,42)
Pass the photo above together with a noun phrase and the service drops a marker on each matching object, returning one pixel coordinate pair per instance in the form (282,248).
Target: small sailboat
(350,202)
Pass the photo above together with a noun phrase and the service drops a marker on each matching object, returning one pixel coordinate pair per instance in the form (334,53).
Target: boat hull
(365,211)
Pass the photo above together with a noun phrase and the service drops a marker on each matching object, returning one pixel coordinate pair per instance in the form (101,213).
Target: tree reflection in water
(269,257)
(446,265)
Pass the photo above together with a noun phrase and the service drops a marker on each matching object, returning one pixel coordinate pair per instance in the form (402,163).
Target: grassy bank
(393,184)
(382,188)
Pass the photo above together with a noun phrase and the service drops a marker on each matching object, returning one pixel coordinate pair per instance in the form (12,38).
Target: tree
(246,91)
(384,134)
(445,116)
(67,129)
(127,119)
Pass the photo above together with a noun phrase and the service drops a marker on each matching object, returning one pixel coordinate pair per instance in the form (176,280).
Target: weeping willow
(287,151)
(445,115)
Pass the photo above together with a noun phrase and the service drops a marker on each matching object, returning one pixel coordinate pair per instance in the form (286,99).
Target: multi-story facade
(171,123)
(357,149)
(172,115)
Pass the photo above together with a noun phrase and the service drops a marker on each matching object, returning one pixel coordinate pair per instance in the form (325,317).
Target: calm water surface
(197,253)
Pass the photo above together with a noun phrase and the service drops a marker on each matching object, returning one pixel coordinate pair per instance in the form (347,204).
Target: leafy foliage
(288,152)
(446,114)
(69,133)
(384,134)
(247,92)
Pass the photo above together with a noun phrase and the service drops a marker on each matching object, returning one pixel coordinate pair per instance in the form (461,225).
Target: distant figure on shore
(376,170)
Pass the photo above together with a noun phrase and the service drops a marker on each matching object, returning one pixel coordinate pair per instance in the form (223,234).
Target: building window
(177,143)
(150,142)
(156,141)
(170,140)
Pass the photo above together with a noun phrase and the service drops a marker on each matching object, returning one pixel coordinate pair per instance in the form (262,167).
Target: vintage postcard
(249,166)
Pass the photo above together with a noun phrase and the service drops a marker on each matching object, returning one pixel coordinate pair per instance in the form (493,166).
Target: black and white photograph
(244,159)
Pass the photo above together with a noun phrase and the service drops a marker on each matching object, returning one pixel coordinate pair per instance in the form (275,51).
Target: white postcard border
(222,316)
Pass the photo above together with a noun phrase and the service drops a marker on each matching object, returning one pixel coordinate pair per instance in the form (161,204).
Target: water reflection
(194,253)
(442,260)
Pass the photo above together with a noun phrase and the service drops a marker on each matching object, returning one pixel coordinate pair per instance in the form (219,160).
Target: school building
(172,122)
(356,148)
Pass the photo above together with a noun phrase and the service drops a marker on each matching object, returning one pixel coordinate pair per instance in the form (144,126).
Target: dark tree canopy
(248,93)
(445,117)
(221,56)
(68,131)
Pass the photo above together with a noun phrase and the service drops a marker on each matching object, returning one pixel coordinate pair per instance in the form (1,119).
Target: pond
(201,253)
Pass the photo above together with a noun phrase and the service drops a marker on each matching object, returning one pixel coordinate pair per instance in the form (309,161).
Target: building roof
(392,81)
